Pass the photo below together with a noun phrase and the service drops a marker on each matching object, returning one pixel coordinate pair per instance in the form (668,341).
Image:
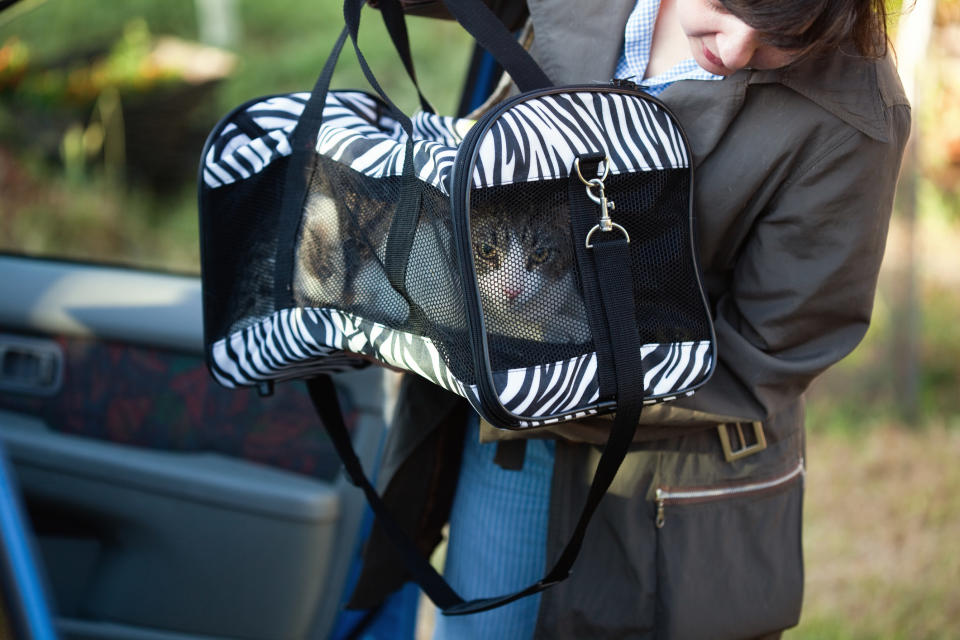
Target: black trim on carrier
(461,183)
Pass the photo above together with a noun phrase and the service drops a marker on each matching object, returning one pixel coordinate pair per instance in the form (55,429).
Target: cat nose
(512,292)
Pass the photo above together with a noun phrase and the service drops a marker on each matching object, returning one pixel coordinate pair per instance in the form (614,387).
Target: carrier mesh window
(654,207)
(339,259)
(528,278)
(526,274)
(341,252)
(239,253)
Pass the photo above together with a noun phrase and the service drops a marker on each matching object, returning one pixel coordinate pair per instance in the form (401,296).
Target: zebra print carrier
(539,261)
(336,231)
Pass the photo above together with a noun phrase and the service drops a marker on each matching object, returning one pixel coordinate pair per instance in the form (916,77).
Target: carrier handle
(312,116)
(491,34)
(480,22)
(303,139)
(396,23)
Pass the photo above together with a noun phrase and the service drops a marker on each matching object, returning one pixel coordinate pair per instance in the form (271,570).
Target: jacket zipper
(692,496)
(461,180)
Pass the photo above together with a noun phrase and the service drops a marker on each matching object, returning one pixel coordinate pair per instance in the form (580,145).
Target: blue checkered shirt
(637,39)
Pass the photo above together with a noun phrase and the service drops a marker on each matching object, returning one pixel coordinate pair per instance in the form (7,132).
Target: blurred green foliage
(71,71)
(281,45)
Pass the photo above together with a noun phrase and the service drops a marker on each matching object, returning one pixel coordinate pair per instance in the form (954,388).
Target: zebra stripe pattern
(357,130)
(536,139)
(234,155)
(540,138)
(281,346)
(294,343)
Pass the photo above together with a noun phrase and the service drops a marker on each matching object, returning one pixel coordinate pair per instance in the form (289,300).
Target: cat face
(525,277)
(515,262)
(338,259)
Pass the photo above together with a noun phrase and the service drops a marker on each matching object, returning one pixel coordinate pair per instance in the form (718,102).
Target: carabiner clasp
(606,206)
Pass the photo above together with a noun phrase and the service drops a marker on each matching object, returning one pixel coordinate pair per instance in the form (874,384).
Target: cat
(524,269)
(523,262)
(339,254)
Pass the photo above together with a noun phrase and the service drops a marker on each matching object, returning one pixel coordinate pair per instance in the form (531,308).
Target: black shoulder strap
(323,395)
(611,266)
(491,34)
(397,28)
(611,261)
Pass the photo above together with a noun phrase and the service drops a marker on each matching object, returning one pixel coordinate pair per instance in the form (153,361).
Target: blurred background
(104,107)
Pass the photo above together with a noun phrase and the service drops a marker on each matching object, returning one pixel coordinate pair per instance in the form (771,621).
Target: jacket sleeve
(802,288)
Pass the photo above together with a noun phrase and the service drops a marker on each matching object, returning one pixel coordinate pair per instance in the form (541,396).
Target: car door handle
(30,365)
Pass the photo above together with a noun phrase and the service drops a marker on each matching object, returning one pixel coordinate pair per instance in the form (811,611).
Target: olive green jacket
(795,171)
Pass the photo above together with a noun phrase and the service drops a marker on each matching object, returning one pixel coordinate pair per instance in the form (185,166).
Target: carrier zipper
(692,496)
(461,180)
(624,83)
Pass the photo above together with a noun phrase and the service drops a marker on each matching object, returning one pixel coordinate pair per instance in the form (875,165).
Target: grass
(882,535)
(882,516)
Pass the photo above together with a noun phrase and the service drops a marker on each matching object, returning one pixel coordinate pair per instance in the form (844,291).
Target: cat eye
(488,251)
(539,256)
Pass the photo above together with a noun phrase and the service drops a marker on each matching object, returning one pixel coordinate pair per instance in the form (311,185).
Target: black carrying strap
(583,216)
(302,141)
(297,180)
(323,394)
(610,257)
(324,398)
(396,24)
(491,34)
(480,22)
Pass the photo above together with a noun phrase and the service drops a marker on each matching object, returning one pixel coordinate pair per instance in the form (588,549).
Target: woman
(797,123)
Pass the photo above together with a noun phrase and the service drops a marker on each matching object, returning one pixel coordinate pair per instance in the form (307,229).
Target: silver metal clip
(606,206)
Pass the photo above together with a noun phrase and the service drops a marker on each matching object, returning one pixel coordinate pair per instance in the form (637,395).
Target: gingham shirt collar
(638,37)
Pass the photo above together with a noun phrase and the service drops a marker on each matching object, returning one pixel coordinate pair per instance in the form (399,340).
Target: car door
(161,505)
(160,501)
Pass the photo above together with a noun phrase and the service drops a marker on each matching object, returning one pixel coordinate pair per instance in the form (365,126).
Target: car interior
(164,506)
(157,504)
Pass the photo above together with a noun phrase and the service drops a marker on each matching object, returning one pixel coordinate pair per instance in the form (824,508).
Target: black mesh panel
(341,251)
(238,251)
(654,208)
(528,279)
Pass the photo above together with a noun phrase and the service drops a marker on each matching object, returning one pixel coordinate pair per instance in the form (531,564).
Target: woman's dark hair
(814,26)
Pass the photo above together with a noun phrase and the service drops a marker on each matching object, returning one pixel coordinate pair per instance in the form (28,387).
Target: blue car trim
(28,598)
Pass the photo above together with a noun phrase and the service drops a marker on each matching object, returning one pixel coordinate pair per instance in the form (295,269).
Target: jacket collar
(855,90)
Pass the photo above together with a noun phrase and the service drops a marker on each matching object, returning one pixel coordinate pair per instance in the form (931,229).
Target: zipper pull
(661,518)
(624,83)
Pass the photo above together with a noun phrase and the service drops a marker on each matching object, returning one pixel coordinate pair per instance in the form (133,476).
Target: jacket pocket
(729,558)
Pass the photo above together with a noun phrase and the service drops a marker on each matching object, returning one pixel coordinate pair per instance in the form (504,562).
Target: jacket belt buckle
(746,444)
